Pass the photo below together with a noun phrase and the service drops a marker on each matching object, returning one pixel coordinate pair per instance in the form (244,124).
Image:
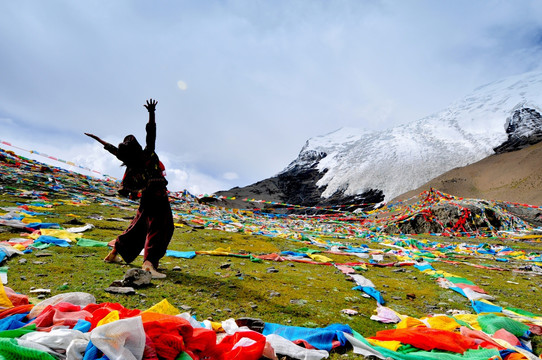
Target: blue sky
(241,85)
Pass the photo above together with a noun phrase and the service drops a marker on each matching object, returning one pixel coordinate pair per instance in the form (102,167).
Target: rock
(74,221)
(411,296)
(516,127)
(252,323)
(272,270)
(349,312)
(176,268)
(186,307)
(137,278)
(298,301)
(477,212)
(120,290)
(225,266)
(22,261)
(274,293)
(298,185)
(117,283)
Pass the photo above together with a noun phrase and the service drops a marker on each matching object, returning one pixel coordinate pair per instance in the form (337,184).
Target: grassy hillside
(233,282)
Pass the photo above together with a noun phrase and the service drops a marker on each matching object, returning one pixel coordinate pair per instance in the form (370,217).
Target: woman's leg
(160,231)
(130,243)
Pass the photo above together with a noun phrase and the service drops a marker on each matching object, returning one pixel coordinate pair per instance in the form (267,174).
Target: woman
(152,227)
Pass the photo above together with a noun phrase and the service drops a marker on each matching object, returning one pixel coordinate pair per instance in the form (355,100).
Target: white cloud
(193,181)
(6,121)
(230,175)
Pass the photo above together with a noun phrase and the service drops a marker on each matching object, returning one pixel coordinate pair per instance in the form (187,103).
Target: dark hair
(130,152)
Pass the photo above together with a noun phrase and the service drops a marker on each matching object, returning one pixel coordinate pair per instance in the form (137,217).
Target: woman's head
(130,152)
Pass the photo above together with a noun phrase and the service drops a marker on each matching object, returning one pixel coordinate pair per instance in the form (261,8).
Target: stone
(43,254)
(117,283)
(120,290)
(137,278)
(349,312)
(74,221)
(252,323)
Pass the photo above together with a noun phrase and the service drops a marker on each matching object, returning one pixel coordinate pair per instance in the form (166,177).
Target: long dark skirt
(151,229)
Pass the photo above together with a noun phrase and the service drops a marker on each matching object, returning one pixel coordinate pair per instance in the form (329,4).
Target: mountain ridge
(362,166)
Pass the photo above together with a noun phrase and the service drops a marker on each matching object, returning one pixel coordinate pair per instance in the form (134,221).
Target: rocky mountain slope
(352,166)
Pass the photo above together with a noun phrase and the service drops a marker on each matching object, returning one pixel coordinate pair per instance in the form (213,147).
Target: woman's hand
(96,138)
(93,136)
(151,105)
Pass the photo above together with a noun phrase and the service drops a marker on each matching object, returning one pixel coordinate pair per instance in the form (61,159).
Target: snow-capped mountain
(402,158)
(350,165)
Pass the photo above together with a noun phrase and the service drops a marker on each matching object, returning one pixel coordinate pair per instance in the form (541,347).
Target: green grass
(308,295)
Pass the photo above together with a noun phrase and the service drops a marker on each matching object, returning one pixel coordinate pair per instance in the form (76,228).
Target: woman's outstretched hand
(96,138)
(151,105)
(93,136)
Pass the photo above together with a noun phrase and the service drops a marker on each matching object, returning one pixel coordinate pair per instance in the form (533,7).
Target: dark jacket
(144,170)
